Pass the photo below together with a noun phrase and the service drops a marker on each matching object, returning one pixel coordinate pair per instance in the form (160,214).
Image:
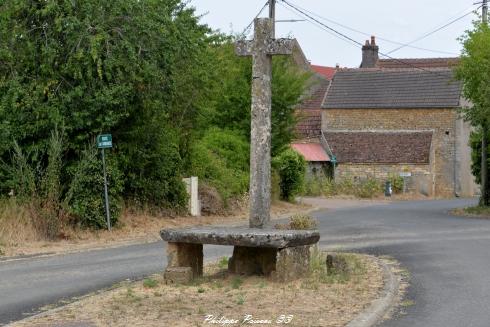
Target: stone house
(308,128)
(392,117)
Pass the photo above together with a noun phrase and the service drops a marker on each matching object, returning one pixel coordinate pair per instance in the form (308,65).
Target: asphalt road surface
(448,258)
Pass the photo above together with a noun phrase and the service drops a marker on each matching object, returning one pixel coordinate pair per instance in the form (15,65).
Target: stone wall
(444,142)
(421,180)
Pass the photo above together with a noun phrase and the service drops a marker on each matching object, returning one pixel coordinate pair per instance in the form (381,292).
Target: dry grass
(476,211)
(18,235)
(16,225)
(318,299)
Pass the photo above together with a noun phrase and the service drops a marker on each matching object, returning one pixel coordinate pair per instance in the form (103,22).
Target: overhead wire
(378,37)
(434,31)
(246,30)
(342,35)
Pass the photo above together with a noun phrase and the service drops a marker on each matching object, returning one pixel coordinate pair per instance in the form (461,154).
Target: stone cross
(261,48)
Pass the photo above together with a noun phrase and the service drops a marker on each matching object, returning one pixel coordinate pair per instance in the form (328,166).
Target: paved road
(29,284)
(448,258)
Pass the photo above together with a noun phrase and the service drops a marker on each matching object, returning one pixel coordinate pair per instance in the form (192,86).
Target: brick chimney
(370,54)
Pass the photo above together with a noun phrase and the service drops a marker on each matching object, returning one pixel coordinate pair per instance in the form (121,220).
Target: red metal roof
(311,151)
(328,72)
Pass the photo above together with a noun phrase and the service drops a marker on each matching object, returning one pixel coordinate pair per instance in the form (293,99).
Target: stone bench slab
(241,236)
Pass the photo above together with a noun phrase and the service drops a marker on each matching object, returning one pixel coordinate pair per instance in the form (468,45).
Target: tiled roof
(311,151)
(315,94)
(381,147)
(381,88)
(418,63)
(325,71)
(309,123)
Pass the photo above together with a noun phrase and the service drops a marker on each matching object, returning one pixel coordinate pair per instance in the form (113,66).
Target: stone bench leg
(281,264)
(292,263)
(181,255)
(252,261)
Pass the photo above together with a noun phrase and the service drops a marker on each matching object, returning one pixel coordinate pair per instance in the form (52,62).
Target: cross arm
(281,47)
(244,48)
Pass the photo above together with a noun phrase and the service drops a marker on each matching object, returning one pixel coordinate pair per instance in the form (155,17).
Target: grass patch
(478,211)
(347,266)
(236,282)
(338,297)
(150,283)
(407,303)
(240,300)
(223,263)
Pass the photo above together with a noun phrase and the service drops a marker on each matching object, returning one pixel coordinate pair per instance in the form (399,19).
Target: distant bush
(396,183)
(221,159)
(302,222)
(363,188)
(368,188)
(291,168)
(85,197)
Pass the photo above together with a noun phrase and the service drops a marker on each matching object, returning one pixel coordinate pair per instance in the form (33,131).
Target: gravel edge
(381,306)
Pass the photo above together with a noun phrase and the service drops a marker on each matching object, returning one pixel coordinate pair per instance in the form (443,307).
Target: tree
(230,104)
(474,72)
(127,67)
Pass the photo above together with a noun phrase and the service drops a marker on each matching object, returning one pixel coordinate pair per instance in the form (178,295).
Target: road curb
(379,307)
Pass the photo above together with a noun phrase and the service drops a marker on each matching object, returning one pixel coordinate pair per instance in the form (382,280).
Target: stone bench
(282,254)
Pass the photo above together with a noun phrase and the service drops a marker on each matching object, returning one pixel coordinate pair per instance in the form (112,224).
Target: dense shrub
(153,169)
(302,222)
(363,188)
(396,183)
(221,159)
(37,187)
(291,168)
(85,197)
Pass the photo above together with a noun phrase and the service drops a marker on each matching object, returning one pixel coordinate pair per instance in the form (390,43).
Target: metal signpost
(104,141)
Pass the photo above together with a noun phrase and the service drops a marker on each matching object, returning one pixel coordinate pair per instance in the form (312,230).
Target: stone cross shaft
(261,48)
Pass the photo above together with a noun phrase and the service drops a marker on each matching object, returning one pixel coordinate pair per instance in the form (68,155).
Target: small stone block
(336,264)
(177,275)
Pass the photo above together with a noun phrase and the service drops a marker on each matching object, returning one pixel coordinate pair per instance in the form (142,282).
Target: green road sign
(104,141)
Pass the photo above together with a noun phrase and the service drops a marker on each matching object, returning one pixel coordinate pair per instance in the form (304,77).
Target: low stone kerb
(237,236)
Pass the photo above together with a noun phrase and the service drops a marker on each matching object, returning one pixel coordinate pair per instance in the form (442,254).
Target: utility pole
(272,16)
(485,188)
(484,14)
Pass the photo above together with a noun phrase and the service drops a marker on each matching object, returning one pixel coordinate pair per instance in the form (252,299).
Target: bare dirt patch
(19,237)
(319,299)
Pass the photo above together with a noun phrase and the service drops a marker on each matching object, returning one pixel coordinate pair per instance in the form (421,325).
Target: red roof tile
(311,151)
(309,123)
(315,95)
(327,72)
(398,147)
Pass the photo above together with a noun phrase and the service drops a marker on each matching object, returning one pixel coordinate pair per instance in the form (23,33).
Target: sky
(390,21)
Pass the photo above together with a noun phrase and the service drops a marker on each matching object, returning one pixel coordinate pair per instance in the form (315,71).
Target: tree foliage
(291,167)
(474,72)
(145,71)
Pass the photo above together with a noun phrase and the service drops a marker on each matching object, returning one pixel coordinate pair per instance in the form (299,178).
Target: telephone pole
(485,189)
(272,16)
(484,14)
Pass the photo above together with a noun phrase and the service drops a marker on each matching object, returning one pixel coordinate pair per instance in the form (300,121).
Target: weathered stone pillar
(261,49)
